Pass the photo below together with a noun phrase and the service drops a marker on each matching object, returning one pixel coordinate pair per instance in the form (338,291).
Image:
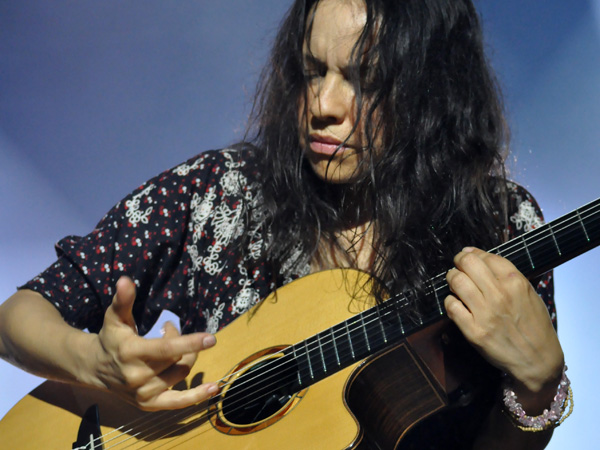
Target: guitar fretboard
(366,333)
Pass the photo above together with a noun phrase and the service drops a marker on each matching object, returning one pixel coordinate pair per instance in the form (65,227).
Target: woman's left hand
(501,315)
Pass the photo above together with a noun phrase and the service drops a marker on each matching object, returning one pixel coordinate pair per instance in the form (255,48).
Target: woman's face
(331,101)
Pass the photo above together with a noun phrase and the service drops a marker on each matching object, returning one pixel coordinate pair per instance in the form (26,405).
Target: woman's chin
(333,172)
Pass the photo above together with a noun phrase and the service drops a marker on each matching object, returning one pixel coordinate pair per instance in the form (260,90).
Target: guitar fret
(554,239)
(400,320)
(310,369)
(437,298)
(296,358)
(552,244)
(385,339)
(350,340)
(571,234)
(527,251)
(321,351)
(337,356)
(583,226)
(362,319)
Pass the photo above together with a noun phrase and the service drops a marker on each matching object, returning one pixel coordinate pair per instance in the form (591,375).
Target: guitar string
(199,432)
(334,338)
(156,424)
(372,313)
(309,350)
(505,249)
(207,414)
(203,407)
(508,248)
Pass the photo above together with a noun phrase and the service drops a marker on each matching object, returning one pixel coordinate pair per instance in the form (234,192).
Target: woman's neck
(349,240)
(352,247)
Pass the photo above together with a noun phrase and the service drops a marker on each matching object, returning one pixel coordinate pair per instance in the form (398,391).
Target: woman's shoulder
(230,170)
(219,161)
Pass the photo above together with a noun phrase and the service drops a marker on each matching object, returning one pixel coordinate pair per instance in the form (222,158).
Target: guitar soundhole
(259,392)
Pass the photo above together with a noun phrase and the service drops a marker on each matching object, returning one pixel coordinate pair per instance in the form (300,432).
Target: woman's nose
(331,100)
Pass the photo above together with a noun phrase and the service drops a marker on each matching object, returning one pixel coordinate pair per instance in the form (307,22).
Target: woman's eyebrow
(313,61)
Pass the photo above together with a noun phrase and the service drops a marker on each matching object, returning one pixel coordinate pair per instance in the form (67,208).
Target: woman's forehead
(335,27)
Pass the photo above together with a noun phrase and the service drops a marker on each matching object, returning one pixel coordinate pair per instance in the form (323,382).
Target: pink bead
(549,416)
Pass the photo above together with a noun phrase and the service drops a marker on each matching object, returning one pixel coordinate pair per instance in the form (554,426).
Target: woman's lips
(326,146)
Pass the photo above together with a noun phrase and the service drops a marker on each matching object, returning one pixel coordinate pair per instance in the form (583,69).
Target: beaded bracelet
(550,418)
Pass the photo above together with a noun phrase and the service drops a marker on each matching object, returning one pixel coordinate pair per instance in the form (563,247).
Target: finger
(497,278)
(499,266)
(479,267)
(171,348)
(457,311)
(466,322)
(165,380)
(122,304)
(176,372)
(170,331)
(172,399)
(465,289)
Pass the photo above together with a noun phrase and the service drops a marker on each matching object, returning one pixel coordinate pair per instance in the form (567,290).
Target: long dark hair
(431,96)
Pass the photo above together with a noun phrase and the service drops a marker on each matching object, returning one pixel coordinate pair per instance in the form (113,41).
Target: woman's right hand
(140,370)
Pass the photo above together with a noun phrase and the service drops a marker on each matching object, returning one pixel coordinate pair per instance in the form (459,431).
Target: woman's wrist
(83,350)
(552,416)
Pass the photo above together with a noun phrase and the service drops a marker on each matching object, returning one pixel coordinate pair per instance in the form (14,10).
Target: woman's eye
(314,73)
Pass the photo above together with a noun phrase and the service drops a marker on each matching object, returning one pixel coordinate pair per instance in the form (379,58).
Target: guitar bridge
(89,436)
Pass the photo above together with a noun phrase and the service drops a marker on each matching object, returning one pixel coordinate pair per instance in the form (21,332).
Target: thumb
(122,304)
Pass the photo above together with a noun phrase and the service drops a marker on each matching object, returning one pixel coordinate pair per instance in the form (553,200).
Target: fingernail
(467,249)
(209,341)
(212,389)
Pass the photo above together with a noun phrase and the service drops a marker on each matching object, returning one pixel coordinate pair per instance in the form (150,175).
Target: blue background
(96,97)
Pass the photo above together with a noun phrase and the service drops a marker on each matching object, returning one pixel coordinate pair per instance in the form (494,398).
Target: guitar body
(388,393)
(269,363)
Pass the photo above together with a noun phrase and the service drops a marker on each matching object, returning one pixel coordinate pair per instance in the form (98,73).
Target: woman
(376,143)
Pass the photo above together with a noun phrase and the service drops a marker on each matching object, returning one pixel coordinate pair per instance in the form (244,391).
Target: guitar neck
(368,332)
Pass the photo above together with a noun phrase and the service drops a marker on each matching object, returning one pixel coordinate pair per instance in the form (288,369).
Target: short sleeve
(145,237)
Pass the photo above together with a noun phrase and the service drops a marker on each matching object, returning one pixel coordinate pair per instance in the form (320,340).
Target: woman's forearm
(141,371)
(34,337)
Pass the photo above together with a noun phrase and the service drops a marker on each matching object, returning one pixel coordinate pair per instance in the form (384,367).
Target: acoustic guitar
(314,366)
